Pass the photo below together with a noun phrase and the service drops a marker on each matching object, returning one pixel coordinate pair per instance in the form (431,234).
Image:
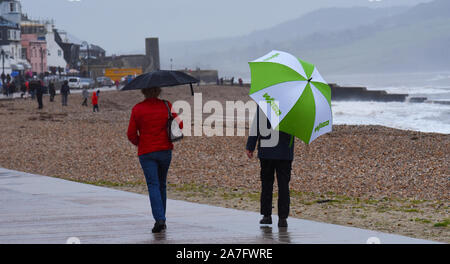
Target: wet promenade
(39,209)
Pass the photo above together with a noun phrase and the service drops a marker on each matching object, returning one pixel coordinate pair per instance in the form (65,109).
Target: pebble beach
(363,162)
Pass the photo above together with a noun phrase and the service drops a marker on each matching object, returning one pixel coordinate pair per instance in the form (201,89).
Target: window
(59,53)
(12,7)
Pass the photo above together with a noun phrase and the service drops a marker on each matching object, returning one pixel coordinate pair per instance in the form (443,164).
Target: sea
(433,115)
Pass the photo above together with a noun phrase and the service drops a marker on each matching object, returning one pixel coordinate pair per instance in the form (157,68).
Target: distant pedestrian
(95,102)
(3,76)
(51,91)
(38,89)
(23,90)
(117,83)
(6,89)
(85,94)
(12,88)
(65,91)
(32,88)
(27,87)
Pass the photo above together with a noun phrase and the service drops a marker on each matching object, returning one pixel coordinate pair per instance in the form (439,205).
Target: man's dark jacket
(284,150)
(65,90)
(37,87)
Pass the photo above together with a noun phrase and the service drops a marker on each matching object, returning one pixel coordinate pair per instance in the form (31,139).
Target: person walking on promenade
(95,102)
(51,91)
(27,86)
(277,158)
(3,76)
(12,88)
(38,89)
(85,95)
(65,91)
(23,90)
(7,89)
(148,131)
(32,88)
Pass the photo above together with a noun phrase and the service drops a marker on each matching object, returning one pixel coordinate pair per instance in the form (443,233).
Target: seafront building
(55,54)
(10,38)
(36,47)
(35,51)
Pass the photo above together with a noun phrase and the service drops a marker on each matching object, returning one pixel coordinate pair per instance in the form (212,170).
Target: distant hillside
(339,40)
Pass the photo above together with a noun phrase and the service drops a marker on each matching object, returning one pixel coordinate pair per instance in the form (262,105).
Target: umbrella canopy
(292,94)
(160,79)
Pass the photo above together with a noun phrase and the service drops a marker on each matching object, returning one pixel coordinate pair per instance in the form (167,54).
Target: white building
(55,54)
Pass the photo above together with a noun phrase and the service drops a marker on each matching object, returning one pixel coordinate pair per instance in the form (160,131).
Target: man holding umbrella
(296,100)
(274,158)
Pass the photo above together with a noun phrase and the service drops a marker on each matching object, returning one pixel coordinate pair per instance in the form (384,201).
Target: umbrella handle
(192,89)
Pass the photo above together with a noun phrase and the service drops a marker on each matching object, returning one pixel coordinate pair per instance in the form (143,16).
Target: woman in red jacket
(148,130)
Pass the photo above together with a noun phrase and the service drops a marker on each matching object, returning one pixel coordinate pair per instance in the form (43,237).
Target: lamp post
(3,61)
(3,76)
(41,50)
(88,56)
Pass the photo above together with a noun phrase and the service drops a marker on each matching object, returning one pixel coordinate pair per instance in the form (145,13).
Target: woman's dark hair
(152,92)
(66,82)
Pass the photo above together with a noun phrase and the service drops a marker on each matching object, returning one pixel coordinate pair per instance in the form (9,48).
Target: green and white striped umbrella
(292,94)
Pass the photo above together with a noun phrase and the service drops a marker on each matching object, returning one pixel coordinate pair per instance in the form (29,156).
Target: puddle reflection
(283,234)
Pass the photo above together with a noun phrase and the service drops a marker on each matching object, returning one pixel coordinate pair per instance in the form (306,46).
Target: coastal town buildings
(29,46)
(35,51)
(55,54)
(70,47)
(10,37)
(94,51)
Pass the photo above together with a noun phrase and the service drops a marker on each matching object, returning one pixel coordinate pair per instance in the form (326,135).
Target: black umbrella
(160,79)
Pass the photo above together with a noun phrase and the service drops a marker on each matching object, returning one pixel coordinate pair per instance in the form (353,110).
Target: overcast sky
(121,26)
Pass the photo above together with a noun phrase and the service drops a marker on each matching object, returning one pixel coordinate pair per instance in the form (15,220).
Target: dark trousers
(39,99)
(96,108)
(85,102)
(282,168)
(64,99)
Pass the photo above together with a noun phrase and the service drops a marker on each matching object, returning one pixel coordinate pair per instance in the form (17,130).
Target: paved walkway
(39,209)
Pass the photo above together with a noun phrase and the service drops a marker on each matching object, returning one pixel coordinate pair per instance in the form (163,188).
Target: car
(87,83)
(104,81)
(75,83)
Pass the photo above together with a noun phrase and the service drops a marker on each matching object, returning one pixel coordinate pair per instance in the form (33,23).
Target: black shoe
(159,226)
(267,220)
(282,222)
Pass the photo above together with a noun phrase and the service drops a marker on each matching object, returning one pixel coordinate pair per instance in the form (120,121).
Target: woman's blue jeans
(156,166)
